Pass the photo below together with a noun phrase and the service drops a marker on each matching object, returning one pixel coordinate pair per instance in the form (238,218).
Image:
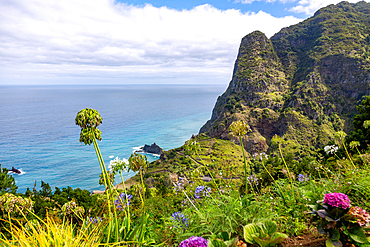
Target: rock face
(152,149)
(303,84)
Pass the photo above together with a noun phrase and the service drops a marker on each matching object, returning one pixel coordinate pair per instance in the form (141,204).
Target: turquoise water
(38,134)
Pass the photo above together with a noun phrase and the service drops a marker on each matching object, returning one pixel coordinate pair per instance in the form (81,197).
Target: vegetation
(7,183)
(214,196)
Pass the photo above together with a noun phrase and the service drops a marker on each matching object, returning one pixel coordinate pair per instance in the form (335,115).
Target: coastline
(128,183)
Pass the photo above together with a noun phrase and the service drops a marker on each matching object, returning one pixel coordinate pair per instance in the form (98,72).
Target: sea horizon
(39,135)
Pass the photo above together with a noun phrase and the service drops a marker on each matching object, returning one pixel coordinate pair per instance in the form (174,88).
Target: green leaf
(250,230)
(335,235)
(358,235)
(217,243)
(330,243)
(278,238)
(270,227)
(262,242)
(223,235)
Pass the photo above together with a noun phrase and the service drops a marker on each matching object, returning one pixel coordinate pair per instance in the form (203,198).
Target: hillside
(302,84)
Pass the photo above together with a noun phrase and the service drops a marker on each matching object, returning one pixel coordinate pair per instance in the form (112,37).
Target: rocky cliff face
(302,84)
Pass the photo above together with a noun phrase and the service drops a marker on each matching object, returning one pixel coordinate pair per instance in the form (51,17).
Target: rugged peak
(307,76)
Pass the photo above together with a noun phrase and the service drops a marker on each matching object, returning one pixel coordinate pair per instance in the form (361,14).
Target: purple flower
(95,220)
(252,180)
(179,219)
(302,178)
(201,191)
(194,242)
(122,201)
(337,200)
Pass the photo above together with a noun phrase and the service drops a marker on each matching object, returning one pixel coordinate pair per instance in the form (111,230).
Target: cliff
(303,84)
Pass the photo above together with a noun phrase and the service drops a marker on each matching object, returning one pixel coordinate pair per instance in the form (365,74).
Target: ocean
(38,134)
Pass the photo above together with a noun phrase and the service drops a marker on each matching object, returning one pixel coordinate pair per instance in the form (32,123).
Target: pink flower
(194,242)
(361,216)
(338,200)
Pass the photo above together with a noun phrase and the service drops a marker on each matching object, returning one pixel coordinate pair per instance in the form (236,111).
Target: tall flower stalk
(239,129)
(278,140)
(139,163)
(89,121)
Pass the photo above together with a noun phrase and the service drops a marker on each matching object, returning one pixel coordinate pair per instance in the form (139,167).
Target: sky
(134,41)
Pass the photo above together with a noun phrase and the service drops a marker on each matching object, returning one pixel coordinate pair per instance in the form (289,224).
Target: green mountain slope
(303,84)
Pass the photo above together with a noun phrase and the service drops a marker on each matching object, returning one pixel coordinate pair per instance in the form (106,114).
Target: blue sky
(123,42)
(276,8)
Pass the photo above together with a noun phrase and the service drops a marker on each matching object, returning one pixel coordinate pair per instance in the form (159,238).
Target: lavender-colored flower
(252,180)
(179,220)
(179,185)
(201,191)
(194,242)
(93,220)
(337,200)
(122,199)
(303,178)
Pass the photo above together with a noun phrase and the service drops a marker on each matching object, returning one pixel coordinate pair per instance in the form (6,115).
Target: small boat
(15,170)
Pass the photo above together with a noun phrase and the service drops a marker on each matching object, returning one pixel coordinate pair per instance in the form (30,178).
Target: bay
(38,134)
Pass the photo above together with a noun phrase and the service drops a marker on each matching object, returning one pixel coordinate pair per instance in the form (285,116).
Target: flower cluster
(179,185)
(260,156)
(117,164)
(362,217)
(201,191)
(15,204)
(330,149)
(71,207)
(121,201)
(94,220)
(194,242)
(303,178)
(179,220)
(252,180)
(338,200)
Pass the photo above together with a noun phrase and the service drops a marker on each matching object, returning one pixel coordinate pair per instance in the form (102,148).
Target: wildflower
(179,219)
(330,149)
(239,128)
(117,164)
(252,180)
(122,198)
(201,191)
(303,178)
(337,200)
(179,185)
(71,207)
(340,135)
(362,217)
(354,144)
(93,220)
(194,242)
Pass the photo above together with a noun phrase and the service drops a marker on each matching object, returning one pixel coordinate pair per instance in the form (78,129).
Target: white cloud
(309,7)
(102,39)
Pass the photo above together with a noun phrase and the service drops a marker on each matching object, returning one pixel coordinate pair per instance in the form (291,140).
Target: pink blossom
(337,200)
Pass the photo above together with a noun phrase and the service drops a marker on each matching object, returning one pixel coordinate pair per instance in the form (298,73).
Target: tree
(7,182)
(361,129)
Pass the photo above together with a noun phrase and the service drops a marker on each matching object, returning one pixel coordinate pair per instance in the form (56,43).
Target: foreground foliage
(263,199)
